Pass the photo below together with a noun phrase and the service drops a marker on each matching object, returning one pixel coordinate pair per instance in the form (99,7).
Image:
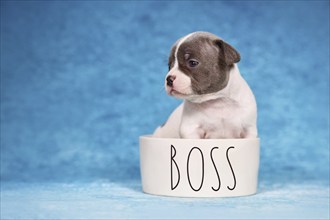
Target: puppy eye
(193,63)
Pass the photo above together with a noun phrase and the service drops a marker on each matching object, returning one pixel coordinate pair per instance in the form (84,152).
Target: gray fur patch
(215,59)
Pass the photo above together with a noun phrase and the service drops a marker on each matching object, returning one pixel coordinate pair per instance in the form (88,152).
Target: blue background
(82,80)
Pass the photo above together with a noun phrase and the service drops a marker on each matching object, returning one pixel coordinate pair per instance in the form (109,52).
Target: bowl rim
(150,137)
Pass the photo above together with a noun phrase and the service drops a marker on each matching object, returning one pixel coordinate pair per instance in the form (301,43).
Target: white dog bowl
(199,167)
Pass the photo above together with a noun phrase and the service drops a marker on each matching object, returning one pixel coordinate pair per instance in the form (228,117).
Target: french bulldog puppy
(218,102)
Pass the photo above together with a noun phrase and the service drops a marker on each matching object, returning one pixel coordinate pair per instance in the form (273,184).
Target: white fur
(228,113)
(182,83)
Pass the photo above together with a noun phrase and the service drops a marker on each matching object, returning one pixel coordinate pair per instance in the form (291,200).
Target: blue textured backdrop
(82,80)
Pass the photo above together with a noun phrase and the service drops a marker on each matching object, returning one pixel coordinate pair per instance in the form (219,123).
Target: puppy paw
(193,133)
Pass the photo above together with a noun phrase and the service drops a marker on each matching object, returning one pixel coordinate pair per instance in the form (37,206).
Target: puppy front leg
(192,132)
(250,132)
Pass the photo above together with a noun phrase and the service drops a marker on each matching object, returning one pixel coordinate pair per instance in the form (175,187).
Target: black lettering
(232,171)
(177,168)
(215,170)
(202,169)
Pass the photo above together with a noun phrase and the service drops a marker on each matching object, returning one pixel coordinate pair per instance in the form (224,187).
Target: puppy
(218,102)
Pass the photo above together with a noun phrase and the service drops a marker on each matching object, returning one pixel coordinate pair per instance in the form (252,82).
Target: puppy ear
(228,53)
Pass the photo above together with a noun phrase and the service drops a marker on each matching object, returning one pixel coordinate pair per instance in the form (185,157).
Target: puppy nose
(170,80)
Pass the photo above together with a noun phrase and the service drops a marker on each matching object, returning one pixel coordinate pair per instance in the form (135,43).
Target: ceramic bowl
(199,167)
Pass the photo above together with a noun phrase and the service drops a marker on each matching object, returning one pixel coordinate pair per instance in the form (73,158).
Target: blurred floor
(125,201)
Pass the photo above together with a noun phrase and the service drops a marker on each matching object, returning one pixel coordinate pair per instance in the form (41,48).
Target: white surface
(199,167)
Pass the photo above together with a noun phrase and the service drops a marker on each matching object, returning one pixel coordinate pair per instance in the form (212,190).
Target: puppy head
(199,64)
